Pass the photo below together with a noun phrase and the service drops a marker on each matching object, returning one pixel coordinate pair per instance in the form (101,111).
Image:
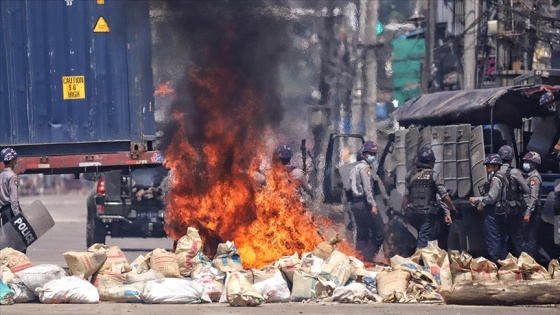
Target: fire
(164,89)
(213,162)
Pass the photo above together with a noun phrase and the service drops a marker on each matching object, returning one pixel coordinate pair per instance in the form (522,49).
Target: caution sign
(73,88)
(101,26)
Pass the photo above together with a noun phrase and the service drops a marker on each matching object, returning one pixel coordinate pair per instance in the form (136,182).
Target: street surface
(69,213)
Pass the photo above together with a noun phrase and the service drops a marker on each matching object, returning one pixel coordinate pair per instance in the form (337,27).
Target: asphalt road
(69,213)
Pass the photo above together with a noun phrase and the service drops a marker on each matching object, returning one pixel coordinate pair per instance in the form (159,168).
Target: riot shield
(411,144)
(463,161)
(25,228)
(437,148)
(478,170)
(449,159)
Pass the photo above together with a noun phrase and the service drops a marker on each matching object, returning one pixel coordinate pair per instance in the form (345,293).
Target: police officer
(421,202)
(9,203)
(284,154)
(495,231)
(515,198)
(362,203)
(532,215)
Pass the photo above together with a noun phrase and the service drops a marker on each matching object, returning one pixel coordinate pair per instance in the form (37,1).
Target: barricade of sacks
(188,276)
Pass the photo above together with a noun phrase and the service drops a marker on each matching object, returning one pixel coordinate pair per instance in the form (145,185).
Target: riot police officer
(514,195)
(284,154)
(495,232)
(421,202)
(532,215)
(9,202)
(365,215)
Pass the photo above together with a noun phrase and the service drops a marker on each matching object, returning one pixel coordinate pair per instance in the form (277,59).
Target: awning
(509,104)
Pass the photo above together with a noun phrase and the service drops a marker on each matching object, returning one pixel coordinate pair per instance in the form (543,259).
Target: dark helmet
(426,155)
(532,157)
(369,147)
(8,154)
(547,98)
(506,153)
(493,159)
(284,151)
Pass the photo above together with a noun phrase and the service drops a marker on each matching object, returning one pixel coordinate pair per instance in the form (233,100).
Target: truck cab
(127,204)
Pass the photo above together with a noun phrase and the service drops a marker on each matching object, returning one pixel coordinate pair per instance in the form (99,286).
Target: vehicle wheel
(456,238)
(95,231)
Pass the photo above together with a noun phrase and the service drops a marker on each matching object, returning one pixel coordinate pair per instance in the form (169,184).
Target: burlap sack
(13,259)
(108,279)
(7,274)
(115,257)
(483,269)
(437,261)
(554,269)
(460,265)
(264,273)
(311,264)
(337,269)
(140,264)
(200,262)
(188,247)
(133,277)
(165,263)
(398,262)
(288,265)
(389,282)
(123,293)
(531,269)
(304,286)
(85,264)
(240,292)
(509,269)
(227,258)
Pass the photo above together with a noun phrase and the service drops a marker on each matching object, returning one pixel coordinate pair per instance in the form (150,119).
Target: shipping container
(76,78)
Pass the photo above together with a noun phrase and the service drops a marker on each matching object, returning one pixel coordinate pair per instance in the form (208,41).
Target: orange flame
(164,89)
(213,188)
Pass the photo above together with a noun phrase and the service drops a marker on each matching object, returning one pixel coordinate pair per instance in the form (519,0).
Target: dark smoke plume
(238,35)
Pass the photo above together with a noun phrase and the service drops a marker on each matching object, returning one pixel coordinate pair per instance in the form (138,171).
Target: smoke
(238,36)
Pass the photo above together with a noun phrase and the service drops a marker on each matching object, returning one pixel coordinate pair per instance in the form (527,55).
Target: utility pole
(357,107)
(370,67)
(470,40)
(429,35)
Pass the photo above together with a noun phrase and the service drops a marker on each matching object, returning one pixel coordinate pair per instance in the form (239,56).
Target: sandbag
(304,286)
(85,264)
(68,290)
(274,289)
(336,270)
(554,269)
(288,265)
(460,265)
(165,263)
(188,247)
(509,269)
(531,269)
(6,295)
(355,293)
(483,269)
(240,292)
(140,264)
(13,259)
(325,249)
(7,274)
(174,291)
(115,257)
(227,258)
(437,261)
(213,288)
(37,276)
(123,293)
(108,279)
(22,294)
(389,282)
(151,274)
(199,263)
(311,264)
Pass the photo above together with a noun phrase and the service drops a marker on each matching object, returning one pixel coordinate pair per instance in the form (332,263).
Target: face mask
(526,167)
(370,159)
(552,108)
(491,175)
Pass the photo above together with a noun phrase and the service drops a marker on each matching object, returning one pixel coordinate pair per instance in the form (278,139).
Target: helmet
(426,155)
(493,159)
(547,98)
(532,157)
(506,153)
(8,154)
(284,151)
(369,147)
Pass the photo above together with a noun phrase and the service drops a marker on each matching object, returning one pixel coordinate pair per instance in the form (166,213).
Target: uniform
(514,221)
(9,203)
(423,190)
(530,229)
(361,203)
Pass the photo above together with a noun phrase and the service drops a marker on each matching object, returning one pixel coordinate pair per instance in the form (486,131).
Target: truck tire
(457,239)
(95,231)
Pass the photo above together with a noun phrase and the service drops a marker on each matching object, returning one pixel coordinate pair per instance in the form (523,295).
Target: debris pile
(102,273)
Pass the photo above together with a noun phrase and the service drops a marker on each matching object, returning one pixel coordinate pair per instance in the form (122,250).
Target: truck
(76,90)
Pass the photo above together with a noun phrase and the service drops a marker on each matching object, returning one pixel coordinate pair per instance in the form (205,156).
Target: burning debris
(220,132)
